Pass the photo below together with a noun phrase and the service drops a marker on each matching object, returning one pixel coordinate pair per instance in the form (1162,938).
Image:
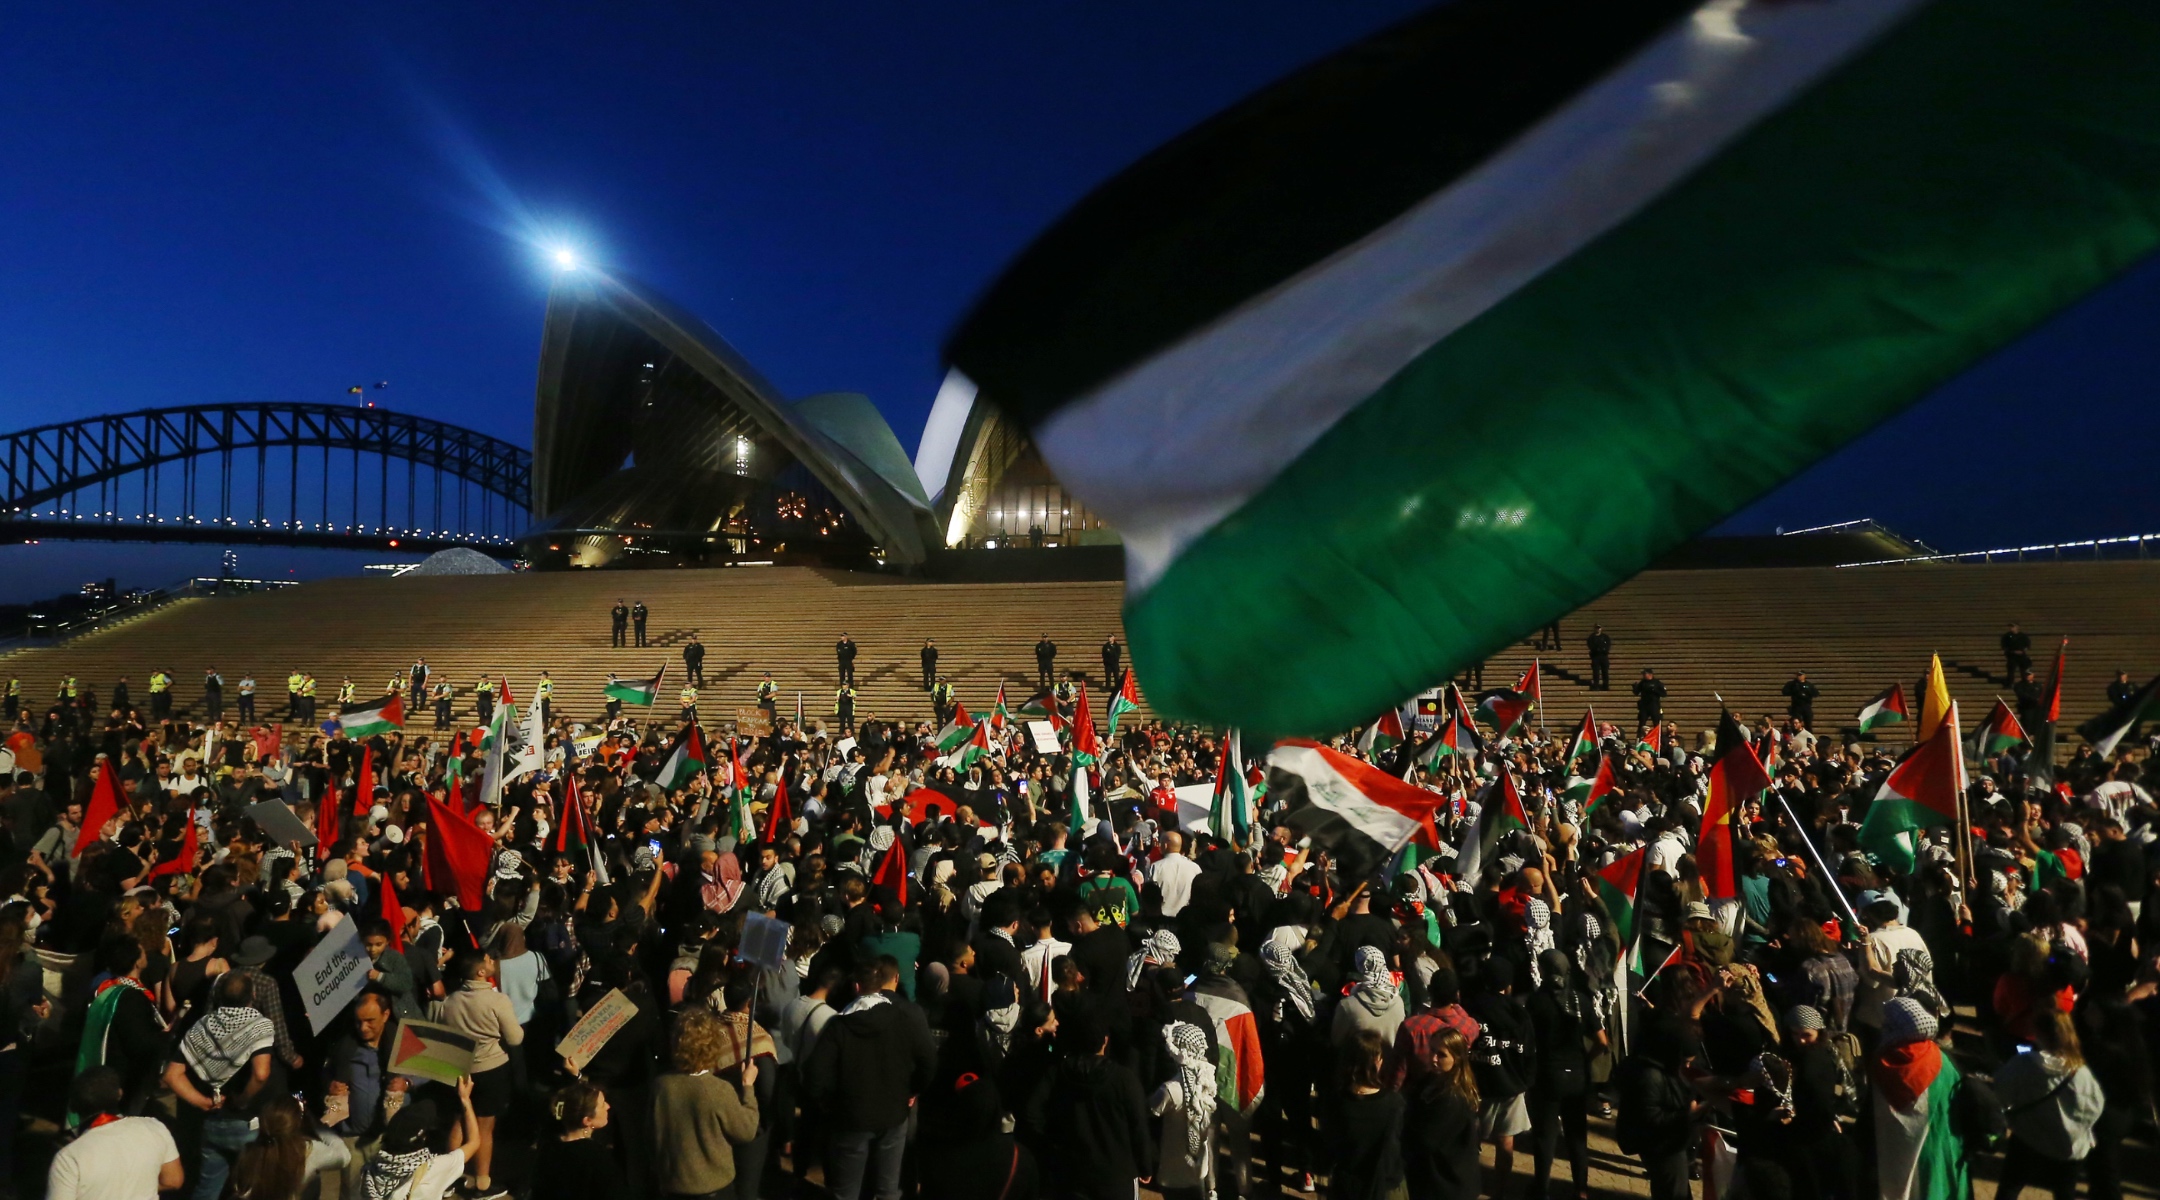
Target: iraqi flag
(1735,777)
(1272,352)
(1887,708)
(1360,813)
(635,691)
(386,715)
(2107,731)
(2000,732)
(1921,792)
(684,763)
(1499,814)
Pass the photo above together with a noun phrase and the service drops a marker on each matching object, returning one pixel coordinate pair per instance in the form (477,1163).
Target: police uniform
(844,708)
(442,705)
(544,696)
(160,695)
(484,700)
(213,690)
(768,698)
(247,697)
(292,695)
(307,698)
(941,701)
(346,694)
(688,698)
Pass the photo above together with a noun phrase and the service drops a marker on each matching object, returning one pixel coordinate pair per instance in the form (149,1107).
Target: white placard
(333,973)
(1046,738)
(764,941)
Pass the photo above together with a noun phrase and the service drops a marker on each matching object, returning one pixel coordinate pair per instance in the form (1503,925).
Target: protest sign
(1046,738)
(764,941)
(430,1051)
(600,1022)
(279,822)
(333,973)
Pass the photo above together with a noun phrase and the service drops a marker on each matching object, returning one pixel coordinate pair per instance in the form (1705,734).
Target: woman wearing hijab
(1372,1004)
(1186,1104)
(1918,1153)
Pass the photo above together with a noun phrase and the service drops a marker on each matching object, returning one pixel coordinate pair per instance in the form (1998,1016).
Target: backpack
(1976,1116)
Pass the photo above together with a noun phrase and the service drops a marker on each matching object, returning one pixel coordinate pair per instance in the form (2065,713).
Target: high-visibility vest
(688,696)
(159,681)
(767,690)
(307,686)
(545,689)
(346,691)
(293,682)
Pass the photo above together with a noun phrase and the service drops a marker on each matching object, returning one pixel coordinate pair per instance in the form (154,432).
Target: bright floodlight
(565,258)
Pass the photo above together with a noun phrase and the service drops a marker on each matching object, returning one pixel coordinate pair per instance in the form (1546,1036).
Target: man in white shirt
(1173,873)
(1042,954)
(116,1158)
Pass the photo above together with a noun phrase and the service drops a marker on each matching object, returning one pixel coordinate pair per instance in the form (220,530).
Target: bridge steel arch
(333,480)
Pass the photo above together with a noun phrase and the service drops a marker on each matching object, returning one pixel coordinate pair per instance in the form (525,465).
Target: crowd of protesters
(986,994)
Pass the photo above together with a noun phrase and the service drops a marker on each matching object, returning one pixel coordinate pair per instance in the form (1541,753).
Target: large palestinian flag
(386,715)
(1887,708)
(1350,340)
(1736,776)
(635,691)
(1361,814)
(2107,730)
(688,758)
(1921,792)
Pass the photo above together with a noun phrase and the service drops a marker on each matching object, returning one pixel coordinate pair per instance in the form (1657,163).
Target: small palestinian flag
(1586,740)
(1384,734)
(1000,716)
(1688,240)
(635,691)
(1500,813)
(1652,741)
(1361,814)
(429,1051)
(1595,789)
(1468,739)
(1126,700)
(1086,750)
(1999,732)
(2107,730)
(1230,809)
(1887,708)
(1453,739)
(386,715)
(957,733)
(1617,886)
(1922,792)
(971,749)
(683,765)
(1505,709)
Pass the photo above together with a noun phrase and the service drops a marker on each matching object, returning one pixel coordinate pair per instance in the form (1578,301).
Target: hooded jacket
(869,1064)
(2050,1106)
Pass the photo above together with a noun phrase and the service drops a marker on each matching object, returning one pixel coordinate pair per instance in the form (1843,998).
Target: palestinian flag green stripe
(386,715)
(634,691)
(1859,247)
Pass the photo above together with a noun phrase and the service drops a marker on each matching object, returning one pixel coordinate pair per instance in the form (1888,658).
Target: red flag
(267,742)
(183,862)
(457,796)
(779,822)
(458,852)
(893,872)
(326,822)
(506,697)
(2054,705)
(393,914)
(1736,775)
(572,832)
(104,806)
(1084,741)
(364,786)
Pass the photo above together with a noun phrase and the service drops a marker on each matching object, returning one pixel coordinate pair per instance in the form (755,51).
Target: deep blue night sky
(281,201)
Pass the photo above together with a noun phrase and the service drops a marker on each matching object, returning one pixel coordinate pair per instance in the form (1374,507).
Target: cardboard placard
(283,826)
(334,972)
(600,1022)
(764,941)
(426,1050)
(1045,737)
(753,721)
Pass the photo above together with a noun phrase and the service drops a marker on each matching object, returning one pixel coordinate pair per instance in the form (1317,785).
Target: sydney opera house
(655,443)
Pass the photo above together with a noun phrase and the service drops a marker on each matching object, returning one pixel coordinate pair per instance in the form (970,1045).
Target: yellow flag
(1934,701)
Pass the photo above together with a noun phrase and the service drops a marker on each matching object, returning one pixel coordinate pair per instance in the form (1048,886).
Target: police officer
(247,696)
(419,681)
(1066,692)
(160,695)
(693,661)
(1800,698)
(618,623)
(119,693)
(1045,661)
(443,693)
(688,698)
(213,694)
(941,701)
(14,698)
(484,699)
(768,698)
(2121,690)
(292,695)
(2017,651)
(544,696)
(844,708)
(347,693)
(1113,655)
(1649,698)
(1600,643)
(638,613)
(929,664)
(307,697)
(844,655)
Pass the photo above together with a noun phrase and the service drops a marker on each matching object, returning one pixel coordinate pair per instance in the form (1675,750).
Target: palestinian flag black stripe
(1281,181)
(1764,229)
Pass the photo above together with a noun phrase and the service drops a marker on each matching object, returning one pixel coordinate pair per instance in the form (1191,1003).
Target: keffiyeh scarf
(1373,975)
(1159,950)
(1279,955)
(1196,1077)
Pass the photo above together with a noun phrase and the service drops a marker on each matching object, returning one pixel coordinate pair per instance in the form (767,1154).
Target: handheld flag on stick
(1500,813)
(458,853)
(2040,764)
(635,691)
(1886,708)
(386,715)
(1604,784)
(104,806)
(184,861)
(1086,749)
(1382,735)
(393,913)
(1230,811)
(1586,739)
(1361,814)
(327,812)
(1617,886)
(687,759)
(1124,700)
(1922,792)
(364,786)
(1999,732)
(1000,717)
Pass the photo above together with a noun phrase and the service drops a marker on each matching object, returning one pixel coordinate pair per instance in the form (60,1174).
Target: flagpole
(1808,843)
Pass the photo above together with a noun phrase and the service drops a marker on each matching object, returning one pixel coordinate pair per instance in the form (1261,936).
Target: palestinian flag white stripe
(635,691)
(384,716)
(1477,239)
(1271,377)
